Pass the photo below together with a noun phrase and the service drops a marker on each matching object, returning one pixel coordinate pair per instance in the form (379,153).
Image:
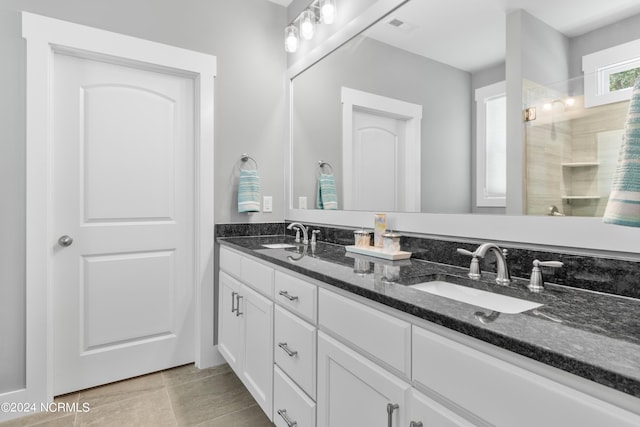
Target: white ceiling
(284,3)
(470,34)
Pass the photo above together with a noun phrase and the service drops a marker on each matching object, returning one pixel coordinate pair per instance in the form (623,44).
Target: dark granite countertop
(589,334)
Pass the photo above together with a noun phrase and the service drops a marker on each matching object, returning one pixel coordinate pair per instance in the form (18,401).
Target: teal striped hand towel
(249,191)
(327,195)
(623,207)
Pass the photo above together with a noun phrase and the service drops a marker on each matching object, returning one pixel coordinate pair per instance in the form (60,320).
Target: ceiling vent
(400,24)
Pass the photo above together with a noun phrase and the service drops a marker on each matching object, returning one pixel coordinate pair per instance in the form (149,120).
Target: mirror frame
(585,235)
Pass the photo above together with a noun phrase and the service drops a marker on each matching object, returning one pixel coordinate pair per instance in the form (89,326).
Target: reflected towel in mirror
(623,207)
(249,191)
(327,196)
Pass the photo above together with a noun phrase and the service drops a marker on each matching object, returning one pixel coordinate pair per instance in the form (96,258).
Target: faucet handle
(297,234)
(314,233)
(536,284)
(474,268)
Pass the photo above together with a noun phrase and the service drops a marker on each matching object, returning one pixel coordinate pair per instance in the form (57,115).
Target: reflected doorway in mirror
(381,152)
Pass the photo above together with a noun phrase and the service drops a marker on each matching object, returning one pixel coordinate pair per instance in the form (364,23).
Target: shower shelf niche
(582,168)
(579,164)
(580,197)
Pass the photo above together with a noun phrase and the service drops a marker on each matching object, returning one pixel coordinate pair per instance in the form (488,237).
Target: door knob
(65,241)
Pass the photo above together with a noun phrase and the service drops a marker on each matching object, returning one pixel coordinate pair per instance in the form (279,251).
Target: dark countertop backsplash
(614,276)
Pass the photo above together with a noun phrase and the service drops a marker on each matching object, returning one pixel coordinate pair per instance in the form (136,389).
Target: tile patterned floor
(182,396)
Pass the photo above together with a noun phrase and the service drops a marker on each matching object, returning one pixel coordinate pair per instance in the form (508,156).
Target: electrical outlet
(302,202)
(267,204)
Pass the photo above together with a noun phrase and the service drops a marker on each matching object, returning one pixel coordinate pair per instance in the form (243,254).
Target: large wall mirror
(392,113)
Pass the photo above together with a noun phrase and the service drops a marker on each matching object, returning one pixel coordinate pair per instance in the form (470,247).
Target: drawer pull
(390,408)
(238,296)
(283,345)
(233,302)
(287,296)
(415,424)
(283,414)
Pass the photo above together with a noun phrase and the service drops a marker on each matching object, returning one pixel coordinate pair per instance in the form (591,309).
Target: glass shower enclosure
(571,151)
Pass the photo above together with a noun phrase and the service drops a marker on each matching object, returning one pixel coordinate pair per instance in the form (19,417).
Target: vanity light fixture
(307,24)
(327,11)
(291,39)
(318,12)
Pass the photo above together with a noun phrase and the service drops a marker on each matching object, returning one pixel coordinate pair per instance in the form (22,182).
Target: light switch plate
(302,202)
(267,204)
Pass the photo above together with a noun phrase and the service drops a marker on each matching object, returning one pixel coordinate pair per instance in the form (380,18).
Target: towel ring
(245,158)
(322,164)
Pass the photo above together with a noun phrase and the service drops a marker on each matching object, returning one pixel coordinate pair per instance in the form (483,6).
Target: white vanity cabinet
(245,329)
(316,355)
(354,391)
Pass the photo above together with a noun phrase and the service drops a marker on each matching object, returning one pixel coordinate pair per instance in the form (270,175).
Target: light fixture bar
(318,12)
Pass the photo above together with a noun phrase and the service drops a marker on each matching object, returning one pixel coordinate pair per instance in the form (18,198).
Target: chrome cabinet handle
(283,345)
(238,296)
(415,424)
(65,241)
(233,299)
(390,408)
(283,414)
(287,296)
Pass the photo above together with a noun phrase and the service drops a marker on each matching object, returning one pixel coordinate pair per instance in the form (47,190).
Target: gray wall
(250,115)
(620,32)
(371,66)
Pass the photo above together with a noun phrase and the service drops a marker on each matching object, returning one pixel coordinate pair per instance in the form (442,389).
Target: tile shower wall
(571,152)
(615,276)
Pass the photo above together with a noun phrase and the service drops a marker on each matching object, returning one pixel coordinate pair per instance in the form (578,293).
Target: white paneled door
(380,152)
(378,161)
(123,184)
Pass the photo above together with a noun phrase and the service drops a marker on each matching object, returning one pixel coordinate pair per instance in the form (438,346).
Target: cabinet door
(353,391)
(257,367)
(431,414)
(229,323)
(504,394)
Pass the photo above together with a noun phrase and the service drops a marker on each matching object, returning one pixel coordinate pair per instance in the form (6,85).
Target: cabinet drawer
(379,334)
(297,295)
(430,413)
(486,386)
(230,262)
(293,334)
(257,275)
(291,403)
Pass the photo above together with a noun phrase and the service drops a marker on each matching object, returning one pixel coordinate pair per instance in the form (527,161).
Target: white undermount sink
(477,297)
(278,246)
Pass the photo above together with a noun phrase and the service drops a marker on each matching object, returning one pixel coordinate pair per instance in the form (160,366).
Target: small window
(491,145)
(623,79)
(609,74)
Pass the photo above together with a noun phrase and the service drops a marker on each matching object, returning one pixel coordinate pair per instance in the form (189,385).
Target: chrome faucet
(503,277)
(305,236)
